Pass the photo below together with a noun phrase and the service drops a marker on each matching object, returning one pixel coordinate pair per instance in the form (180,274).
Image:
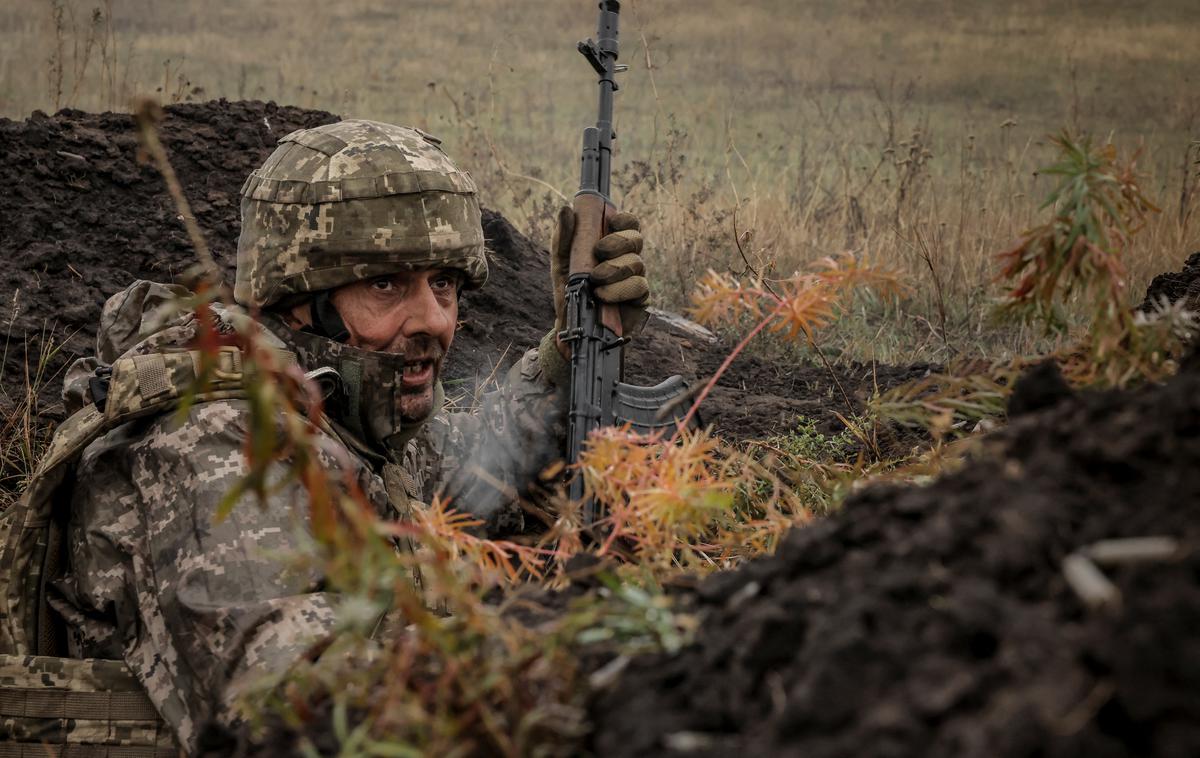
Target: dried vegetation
(842,211)
(454,666)
(894,138)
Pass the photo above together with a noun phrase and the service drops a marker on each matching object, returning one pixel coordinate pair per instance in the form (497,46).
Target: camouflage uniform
(198,610)
(154,586)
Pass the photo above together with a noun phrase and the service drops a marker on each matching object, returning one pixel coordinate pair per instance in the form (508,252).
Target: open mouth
(418,372)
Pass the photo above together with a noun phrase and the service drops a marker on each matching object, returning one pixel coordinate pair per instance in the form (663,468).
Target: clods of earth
(946,620)
(82,219)
(939,621)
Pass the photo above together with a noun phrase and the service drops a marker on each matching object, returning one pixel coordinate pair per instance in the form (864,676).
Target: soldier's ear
(294,315)
(324,318)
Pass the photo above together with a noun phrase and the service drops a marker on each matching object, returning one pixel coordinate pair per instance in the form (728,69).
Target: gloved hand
(619,277)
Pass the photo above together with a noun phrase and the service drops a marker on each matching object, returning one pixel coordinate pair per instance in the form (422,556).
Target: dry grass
(906,133)
(24,436)
(904,136)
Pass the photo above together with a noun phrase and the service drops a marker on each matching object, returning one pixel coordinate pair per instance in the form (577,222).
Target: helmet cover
(350,201)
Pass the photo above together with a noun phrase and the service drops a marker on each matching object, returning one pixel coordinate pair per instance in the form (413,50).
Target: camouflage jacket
(200,609)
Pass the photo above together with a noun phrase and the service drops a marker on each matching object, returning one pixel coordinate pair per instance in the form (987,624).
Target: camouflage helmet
(350,201)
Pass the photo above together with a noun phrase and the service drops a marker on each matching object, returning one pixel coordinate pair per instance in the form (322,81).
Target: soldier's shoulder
(208,423)
(205,425)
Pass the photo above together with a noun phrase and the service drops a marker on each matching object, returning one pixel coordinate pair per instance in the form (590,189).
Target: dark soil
(927,621)
(936,621)
(1175,286)
(82,220)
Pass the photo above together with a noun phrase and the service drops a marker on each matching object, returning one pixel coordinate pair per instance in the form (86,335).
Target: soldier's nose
(425,314)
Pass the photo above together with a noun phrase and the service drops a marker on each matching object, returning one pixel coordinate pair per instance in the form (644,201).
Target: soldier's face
(414,314)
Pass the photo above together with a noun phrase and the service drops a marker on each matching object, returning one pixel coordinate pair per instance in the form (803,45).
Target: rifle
(599,397)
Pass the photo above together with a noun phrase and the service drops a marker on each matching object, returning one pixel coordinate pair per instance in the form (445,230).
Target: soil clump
(1174,286)
(929,621)
(936,621)
(83,219)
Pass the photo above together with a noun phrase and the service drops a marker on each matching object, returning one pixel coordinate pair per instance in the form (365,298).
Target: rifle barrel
(603,55)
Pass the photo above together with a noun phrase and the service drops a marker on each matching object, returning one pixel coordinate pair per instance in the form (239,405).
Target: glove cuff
(554,367)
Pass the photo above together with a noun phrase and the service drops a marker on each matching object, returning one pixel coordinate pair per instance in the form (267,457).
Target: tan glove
(619,277)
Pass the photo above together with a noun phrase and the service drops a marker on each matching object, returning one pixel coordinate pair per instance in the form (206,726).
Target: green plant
(812,465)
(805,441)
(1097,207)
(953,402)
(1079,255)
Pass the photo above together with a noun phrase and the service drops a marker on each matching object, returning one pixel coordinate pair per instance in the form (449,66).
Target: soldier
(357,240)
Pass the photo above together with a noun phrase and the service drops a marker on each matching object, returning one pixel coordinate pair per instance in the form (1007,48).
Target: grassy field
(906,132)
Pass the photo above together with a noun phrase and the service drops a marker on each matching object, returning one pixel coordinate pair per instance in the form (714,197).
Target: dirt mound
(82,220)
(937,621)
(931,621)
(1175,286)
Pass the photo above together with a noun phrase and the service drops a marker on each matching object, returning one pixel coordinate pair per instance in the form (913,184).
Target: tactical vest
(81,708)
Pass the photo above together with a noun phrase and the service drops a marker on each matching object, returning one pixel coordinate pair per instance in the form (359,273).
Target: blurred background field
(757,136)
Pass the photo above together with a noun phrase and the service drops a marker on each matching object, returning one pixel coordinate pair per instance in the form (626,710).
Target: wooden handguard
(591,211)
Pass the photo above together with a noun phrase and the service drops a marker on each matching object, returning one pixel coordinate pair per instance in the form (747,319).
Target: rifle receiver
(598,396)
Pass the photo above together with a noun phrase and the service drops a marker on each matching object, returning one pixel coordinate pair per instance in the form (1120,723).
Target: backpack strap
(77,707)
(140,386)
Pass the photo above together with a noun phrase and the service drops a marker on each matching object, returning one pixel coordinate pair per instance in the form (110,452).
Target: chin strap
(326,321)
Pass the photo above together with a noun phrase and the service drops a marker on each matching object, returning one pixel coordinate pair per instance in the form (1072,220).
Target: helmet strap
(326,321)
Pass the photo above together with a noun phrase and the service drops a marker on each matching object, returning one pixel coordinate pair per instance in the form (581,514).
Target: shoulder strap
(140,386)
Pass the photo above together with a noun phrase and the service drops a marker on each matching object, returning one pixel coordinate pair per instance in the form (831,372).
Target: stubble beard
(416,404)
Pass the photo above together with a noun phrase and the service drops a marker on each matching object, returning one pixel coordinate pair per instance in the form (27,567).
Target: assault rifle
(599,397)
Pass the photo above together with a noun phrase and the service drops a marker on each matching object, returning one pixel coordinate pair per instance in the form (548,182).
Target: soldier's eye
(444,282)
(382,284)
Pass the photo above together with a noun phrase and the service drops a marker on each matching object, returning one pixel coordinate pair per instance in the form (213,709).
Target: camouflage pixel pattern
(367,400)
(194,607)
(353,200)
(200,611)
(96,703)
(482,462)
